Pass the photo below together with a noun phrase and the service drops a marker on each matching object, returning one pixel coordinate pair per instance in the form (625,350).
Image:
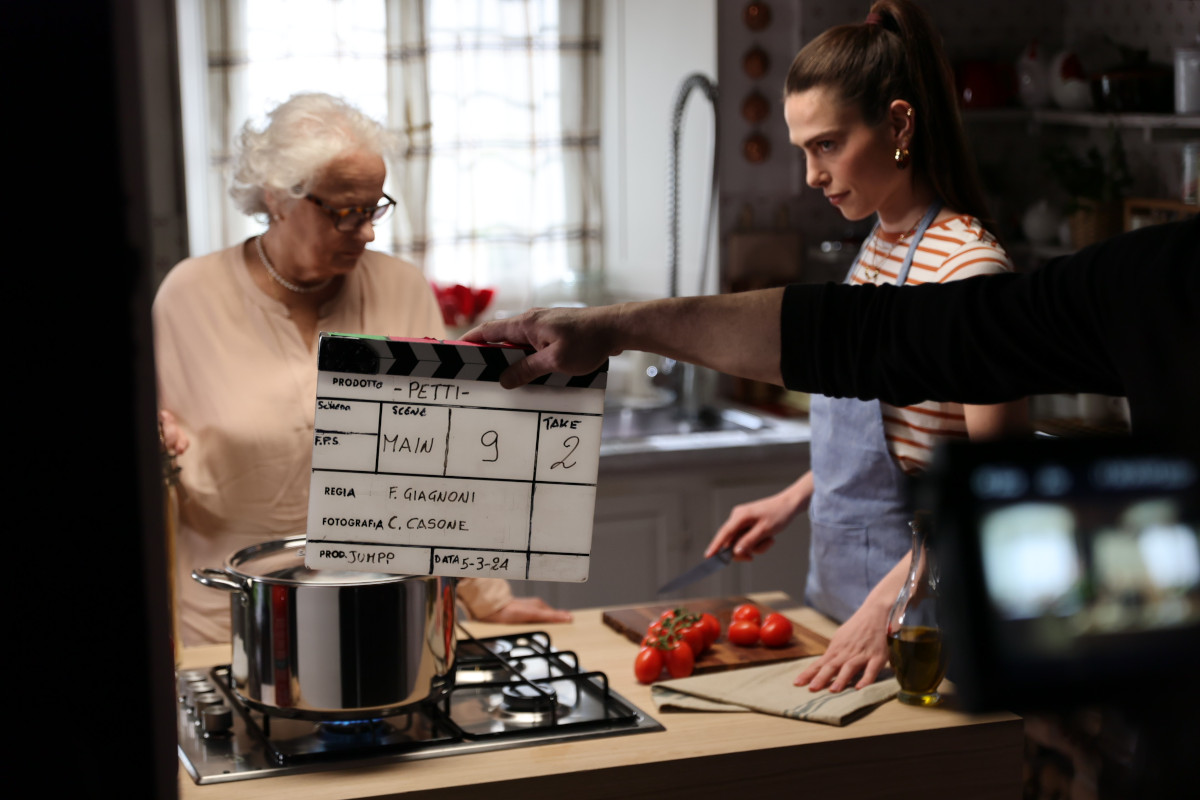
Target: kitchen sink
(623,423)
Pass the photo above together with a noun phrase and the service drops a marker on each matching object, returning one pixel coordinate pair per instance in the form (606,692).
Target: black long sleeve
(1121,317)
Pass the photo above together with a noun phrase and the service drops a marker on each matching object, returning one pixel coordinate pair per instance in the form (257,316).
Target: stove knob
(194,690)
(216,719)
(187,680)
(203,701)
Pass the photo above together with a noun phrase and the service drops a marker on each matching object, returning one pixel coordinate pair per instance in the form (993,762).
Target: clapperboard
(424,465)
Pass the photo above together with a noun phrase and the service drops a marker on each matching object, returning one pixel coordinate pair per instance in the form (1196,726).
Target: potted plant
(1094,184)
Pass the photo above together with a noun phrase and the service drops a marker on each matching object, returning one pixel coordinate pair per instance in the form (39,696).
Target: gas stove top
(510,691)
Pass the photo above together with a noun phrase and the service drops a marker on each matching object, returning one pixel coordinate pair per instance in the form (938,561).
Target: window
(496,101)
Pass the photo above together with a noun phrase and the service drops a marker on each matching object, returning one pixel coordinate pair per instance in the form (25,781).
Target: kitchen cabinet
(656,514)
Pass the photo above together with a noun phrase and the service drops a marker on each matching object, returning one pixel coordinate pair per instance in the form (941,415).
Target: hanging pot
(319,644)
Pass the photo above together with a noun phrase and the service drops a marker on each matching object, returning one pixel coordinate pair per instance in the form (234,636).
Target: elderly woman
(235,337)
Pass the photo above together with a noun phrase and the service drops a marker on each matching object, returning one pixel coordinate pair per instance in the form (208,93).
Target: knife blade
(717,561)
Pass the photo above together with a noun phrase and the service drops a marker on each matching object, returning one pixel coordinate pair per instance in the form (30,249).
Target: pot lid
(282,561)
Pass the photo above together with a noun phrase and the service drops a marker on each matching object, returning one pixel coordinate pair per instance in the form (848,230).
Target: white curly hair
(302,135)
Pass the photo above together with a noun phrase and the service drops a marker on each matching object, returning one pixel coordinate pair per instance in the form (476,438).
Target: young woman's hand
(857,650)
(751,527)
(859,647)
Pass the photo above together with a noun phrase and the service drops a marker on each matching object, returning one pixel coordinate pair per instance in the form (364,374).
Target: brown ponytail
(898,55)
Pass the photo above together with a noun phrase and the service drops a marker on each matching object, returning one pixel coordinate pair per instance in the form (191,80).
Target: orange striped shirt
(950,250)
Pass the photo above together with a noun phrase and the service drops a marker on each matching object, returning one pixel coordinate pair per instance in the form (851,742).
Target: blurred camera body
(1070,569)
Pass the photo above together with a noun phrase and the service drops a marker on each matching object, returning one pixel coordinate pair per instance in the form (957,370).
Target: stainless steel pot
(319,644)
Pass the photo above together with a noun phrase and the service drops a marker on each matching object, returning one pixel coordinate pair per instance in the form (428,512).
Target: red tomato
(680,660)
(776,630)
(694,636)
(743,631)
(648,665)
(712,629)
(748,611)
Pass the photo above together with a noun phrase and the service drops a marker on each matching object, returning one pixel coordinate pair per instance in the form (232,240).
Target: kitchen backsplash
(772,194)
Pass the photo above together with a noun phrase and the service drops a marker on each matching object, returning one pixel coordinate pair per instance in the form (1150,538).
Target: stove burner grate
(288,741)
(511,691)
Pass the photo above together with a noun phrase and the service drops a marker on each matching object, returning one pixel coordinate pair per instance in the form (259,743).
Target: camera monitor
(1070,569)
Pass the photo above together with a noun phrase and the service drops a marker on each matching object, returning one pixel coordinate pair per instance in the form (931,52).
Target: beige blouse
(234,370)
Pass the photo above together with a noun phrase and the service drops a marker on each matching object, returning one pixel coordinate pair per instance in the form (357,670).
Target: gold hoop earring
(903,157)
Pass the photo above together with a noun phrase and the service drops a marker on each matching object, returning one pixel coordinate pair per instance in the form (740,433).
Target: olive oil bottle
(915,646)
(919,661)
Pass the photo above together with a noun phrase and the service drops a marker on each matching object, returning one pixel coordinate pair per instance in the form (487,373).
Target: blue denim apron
(859,510)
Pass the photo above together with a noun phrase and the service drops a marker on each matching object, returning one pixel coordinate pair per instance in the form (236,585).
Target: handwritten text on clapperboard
(424,465)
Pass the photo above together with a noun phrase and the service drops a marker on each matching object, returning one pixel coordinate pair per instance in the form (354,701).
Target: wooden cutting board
(632,623)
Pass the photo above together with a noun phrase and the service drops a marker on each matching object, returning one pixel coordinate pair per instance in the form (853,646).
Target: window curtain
(515,170)
(496,105)
(261,52)
(408,115)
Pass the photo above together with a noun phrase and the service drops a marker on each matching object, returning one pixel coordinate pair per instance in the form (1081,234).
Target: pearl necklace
(282,281)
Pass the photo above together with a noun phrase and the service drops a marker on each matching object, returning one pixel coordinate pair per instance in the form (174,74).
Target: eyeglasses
(352,218)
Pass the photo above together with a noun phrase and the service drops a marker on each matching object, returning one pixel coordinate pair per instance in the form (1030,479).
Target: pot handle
(217,579)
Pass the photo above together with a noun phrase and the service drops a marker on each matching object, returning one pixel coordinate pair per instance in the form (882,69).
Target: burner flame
(351,729)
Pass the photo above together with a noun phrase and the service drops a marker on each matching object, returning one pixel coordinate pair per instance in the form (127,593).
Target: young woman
(872,108)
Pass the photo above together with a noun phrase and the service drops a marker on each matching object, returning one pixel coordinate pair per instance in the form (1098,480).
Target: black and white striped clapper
(432,358)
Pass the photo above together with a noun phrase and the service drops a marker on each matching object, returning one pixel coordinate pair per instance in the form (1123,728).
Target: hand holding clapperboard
(424,465)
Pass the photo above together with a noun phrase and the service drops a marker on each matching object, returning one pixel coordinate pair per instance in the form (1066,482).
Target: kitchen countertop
(781,435)
(700,754)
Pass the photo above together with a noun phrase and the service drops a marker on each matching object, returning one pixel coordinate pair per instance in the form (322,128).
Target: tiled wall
(1157,25)
(981,29)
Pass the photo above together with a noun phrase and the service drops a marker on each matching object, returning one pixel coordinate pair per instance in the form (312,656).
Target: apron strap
(923,226)
(918,234)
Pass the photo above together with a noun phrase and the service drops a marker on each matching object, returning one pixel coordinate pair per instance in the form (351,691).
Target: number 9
(491,439)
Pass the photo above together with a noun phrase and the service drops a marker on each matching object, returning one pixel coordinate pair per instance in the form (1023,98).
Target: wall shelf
(1154,127)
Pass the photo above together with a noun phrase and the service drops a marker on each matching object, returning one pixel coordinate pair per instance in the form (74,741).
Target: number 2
(573,443)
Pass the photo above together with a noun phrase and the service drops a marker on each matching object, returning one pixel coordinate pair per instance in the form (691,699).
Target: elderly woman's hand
(527,609)
(174,440)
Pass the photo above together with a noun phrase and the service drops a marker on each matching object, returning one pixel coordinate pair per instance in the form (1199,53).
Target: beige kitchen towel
(769,689)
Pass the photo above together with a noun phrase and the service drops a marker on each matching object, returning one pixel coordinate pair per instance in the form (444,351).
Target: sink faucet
(694,386)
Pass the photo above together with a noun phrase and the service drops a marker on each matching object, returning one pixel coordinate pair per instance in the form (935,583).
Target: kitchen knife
(718,560)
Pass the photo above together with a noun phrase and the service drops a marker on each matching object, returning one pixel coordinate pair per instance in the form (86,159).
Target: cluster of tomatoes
(676,639)
(673,642)
(748,627)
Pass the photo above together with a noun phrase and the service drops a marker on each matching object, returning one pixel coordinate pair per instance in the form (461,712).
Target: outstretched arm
(737,334)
